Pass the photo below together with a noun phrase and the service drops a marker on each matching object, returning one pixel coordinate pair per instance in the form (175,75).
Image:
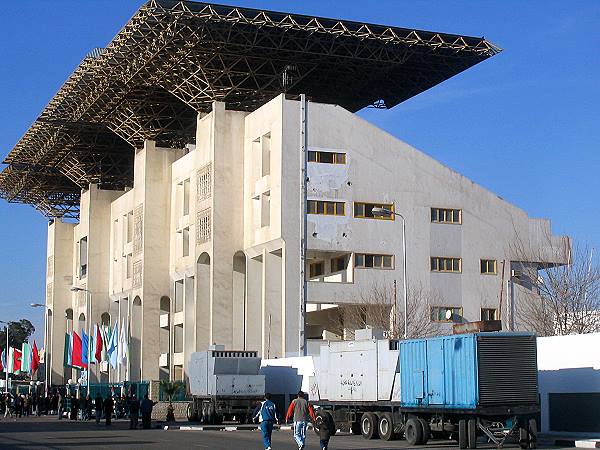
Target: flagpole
(6,368)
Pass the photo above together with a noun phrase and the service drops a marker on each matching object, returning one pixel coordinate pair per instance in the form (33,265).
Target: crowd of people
(74,407)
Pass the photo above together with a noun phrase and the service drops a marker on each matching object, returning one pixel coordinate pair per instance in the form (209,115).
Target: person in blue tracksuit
(267,416)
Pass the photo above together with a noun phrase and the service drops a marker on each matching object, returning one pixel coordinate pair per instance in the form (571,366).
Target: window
(203,226)
(129,227)
(443,264)
(365,210)
(265,209)
(368,260)
(83,257)
(186,197)
(489,314)
(488,266)
(446,313)
(186,241)
(203,186)
(266,154)
(338,264)
(316,269)
(443,215)
(326,208)
(326,157)
(129,265)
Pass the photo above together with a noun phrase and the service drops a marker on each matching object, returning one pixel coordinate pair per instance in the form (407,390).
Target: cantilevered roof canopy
(174,58)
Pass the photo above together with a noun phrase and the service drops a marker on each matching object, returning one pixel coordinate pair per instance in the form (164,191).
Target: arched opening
(135,344)
(164,338)
(105,319)
(203,311)
(238,300)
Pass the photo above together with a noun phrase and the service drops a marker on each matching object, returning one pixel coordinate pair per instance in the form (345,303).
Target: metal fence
(139,388)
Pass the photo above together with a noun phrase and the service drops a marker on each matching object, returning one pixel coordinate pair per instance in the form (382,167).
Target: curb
(224,427)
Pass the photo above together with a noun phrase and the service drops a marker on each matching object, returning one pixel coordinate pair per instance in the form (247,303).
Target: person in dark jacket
(324,433)
(146,409)
(109,404)
(98,405)
(83,404)
(134,412)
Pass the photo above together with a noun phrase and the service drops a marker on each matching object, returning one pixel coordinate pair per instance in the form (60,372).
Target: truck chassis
(388,421)
(216,410)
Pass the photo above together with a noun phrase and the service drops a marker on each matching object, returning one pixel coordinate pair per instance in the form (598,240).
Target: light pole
(89,327)
(377,211)
(6,324)
(47,343)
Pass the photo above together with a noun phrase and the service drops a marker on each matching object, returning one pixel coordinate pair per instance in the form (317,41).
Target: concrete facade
(205,247)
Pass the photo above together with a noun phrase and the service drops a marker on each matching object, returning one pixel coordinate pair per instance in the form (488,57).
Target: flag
(113,346)
(98,344)
(76,353)
(14,360)
(123,344)
(85,348)
(68,355)
(105,331)
(35,359)
(25,357)
(3,361)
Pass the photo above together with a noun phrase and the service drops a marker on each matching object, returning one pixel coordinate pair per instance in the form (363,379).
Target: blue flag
(84,348)
(113,344)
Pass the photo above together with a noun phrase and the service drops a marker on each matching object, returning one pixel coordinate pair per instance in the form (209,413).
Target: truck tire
(462,433)
(369,426)
(426,431)
(386,426)
(192,414)
(413,431)
(472,433)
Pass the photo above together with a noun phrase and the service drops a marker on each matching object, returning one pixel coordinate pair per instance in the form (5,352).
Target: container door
(435,371)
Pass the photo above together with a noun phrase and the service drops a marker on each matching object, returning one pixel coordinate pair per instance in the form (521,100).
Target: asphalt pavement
(49,432)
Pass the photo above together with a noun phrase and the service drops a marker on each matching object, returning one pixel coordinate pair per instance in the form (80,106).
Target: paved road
(48,432)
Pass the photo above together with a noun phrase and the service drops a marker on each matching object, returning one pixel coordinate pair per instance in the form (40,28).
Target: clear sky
(524,124)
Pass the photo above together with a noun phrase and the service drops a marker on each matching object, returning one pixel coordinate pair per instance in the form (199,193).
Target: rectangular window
(326,208)
(326,157)
(203,226)
(186,241)
(338,264)
(445,215)
(186,197)
(365,210)
(266,154)
(129,263)
(129,227)
(83,257)
(446,314)
(444,264)
(316,269)
(203,186)
(489,314)
(368,260)
(265,209)
(488,266)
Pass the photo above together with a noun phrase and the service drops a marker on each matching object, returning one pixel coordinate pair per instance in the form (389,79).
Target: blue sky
(524,124)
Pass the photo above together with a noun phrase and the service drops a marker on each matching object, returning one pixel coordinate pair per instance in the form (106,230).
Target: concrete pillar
(254,308)
(203,310)
(272,304)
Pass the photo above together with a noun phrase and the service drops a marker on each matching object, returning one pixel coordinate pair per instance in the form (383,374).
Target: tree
(18,332)
(562,288)
(375,308)
(171,389)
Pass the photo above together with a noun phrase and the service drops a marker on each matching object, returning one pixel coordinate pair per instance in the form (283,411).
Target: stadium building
(207,180)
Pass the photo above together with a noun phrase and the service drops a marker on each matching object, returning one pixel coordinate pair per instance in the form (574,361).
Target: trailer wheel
(472,433)
(368,426)
(462,433)
(386,426)
(413,431)
(192,414)
(426,431)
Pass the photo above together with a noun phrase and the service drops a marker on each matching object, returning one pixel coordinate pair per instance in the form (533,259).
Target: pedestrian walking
(325,430)
(302,412)
(98,405)
(267,416)
(134,412)
(60,405)
(146,409)
(74,408)
(8,411)
(83,404)
(109,404)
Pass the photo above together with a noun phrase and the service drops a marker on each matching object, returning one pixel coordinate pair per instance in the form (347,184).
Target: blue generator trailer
(465,387)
